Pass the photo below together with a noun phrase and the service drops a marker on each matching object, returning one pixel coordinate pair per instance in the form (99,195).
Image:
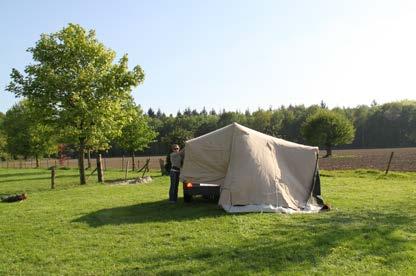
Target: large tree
(328,128)
(26,135)
(76,86)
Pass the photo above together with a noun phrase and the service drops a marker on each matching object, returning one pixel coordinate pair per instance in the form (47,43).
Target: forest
(376,126)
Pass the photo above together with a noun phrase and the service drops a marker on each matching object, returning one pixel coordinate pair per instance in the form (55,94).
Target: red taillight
(189,185)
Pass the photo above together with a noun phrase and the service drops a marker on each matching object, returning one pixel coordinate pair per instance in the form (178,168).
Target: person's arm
(168,164)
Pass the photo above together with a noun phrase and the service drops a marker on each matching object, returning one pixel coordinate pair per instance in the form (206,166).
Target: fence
(108,163)
(404,160)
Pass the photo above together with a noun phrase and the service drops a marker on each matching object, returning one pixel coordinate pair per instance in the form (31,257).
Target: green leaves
(25,134)
(137,134)
(328,128)
(3,150)
(77,88)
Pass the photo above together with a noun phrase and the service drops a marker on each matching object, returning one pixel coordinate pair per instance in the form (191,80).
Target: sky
(235,54)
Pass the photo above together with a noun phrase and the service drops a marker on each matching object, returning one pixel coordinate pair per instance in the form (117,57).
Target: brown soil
(404,159)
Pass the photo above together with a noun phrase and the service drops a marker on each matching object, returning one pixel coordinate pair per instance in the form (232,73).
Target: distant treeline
(377,126)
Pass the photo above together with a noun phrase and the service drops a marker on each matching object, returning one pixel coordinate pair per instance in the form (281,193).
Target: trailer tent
(256,172)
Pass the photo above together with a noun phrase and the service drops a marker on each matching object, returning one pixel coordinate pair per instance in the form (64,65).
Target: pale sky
(236,54)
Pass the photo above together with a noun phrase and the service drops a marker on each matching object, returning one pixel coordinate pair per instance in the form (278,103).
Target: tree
(208,124)
(261,121)
(213,112)
(360,116)
(227,118)
(76,86)
(177,136)
(151,113)
(160,114)
(292,118)
(26,135)
(187,112)
(276,123)
(136,135)
(3,151)
(328,128)
(203,112)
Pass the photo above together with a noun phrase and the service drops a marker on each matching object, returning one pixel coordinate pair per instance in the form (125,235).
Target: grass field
(101,229)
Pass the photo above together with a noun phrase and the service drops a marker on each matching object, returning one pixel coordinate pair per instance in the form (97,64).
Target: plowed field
(404,159)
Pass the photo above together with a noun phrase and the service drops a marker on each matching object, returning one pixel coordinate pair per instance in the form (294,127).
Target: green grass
(101,229)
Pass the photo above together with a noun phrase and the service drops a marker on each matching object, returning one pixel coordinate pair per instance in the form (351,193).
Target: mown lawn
(101,229)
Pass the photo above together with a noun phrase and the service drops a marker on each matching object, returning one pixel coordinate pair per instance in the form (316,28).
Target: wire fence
(404,160)
(108,163)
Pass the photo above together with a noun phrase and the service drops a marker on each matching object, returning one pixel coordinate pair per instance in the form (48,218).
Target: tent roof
(235,126)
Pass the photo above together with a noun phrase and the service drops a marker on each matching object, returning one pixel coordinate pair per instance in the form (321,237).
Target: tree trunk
(100,169)
(122,162)
(53,173)
(328,151)
(89,158)
(81,161)
(133,164)
(37,161)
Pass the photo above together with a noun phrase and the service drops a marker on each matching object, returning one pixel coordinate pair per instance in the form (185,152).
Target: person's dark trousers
(174,183)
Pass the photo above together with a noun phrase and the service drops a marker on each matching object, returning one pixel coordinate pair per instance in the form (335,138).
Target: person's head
(175,148)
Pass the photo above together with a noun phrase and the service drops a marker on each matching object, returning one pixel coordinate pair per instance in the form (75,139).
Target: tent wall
(207,157)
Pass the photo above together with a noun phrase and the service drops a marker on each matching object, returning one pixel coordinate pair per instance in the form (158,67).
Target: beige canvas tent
(256,172)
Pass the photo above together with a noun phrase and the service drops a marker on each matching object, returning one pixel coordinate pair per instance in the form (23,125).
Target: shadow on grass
(362,240)
(354,241)
(37,178)
(25,173)
(158,211)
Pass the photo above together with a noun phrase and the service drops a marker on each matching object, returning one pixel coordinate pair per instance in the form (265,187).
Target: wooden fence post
(162,166)
(388,166)
(53,177)
(127,168)
(100,171)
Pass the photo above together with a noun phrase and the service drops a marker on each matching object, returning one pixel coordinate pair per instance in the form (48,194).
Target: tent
(256,172)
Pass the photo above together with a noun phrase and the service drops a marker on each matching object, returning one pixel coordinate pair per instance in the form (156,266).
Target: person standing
(176,159)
